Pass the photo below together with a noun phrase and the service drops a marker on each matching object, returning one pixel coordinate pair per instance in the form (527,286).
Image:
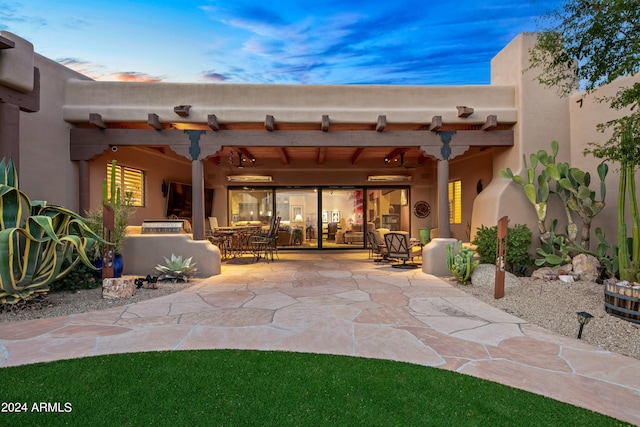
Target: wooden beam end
(182,110)
(464,111)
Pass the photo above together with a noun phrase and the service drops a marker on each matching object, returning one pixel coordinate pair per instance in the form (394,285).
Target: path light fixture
(583,319)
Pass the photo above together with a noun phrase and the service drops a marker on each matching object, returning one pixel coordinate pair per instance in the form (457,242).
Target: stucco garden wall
(543,117)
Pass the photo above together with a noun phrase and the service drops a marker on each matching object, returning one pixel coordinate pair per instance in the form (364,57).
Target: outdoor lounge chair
(376,246)
(399,247)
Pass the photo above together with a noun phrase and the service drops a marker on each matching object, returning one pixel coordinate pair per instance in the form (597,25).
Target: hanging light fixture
(241,159)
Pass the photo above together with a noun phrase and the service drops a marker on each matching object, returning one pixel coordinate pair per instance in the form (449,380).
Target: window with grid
(455,202)
(130,181)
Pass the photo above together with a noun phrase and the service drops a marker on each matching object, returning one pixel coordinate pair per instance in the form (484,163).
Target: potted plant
(123,210)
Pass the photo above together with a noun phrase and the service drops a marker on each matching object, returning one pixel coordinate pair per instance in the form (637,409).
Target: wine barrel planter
(623,301)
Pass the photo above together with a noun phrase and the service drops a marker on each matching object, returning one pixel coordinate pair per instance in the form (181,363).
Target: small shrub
(80,277)
(519,238)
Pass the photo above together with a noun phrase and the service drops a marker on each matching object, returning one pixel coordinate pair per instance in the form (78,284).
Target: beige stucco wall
(46,173)
(585,115)
(235,103)
(543,117)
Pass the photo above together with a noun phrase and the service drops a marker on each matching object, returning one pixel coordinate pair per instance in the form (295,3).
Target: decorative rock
(545,273)
(121,287)
(585,267)
(485,275)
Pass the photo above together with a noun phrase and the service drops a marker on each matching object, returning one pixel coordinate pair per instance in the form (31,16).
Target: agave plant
(35,240)
(176,269)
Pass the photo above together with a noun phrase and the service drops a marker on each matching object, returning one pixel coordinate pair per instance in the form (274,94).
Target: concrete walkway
(343,303)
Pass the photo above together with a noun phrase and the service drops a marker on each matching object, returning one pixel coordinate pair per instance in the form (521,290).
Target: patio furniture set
(394,246)
(236,241)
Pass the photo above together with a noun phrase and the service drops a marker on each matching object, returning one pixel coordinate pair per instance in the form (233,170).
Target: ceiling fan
(239,160)
(398,162)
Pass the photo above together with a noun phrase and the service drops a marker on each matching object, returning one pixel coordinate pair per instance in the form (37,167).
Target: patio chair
(266,243)
(399,247)
(377,248)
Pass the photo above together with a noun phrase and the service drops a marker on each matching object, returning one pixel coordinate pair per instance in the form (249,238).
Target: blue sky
(406,42)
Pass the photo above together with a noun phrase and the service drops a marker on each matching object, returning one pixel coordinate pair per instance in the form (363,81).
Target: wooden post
(108,252)
(501,257)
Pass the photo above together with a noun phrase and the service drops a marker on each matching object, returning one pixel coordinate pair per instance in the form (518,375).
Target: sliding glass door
(328,218)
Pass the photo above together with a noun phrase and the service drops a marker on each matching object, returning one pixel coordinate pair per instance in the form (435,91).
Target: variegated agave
(176,269)
(35,239)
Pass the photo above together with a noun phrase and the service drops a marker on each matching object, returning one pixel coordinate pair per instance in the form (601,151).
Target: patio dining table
(238,239)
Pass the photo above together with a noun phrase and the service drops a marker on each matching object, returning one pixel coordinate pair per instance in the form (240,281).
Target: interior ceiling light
(388,178)
(249,178)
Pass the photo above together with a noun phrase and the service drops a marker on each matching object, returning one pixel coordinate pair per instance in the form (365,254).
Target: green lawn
(244,388)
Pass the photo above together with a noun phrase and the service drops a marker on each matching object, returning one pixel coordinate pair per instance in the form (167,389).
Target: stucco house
(359,156)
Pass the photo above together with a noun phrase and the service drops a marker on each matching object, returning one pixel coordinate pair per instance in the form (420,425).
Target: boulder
(586,267)
(120,287)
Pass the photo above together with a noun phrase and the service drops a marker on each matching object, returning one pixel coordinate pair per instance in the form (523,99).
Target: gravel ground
(549,304)
(553,306)
(65,303)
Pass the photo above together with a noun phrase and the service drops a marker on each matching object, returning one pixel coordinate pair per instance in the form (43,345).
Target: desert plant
(556,251)
(572,187)
(123,210)
(35,241)
(537,196)
(176,269)
(460,262)
(519,238)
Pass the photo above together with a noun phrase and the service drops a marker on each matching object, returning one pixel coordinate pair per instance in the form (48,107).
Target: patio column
(443,154)
(444,228)
(197,199)
(197,150)
(197,184)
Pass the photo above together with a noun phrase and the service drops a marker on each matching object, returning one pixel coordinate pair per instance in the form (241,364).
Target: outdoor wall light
(583,319)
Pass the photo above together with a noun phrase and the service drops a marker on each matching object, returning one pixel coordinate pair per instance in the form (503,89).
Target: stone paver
(343,303)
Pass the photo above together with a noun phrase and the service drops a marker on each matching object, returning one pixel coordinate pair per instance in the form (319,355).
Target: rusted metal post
(501,257)
(108,252)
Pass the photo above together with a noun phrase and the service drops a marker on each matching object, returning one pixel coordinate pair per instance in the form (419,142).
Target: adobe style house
(313,155)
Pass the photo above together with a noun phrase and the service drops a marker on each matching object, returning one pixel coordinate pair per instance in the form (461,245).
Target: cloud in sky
(283,41)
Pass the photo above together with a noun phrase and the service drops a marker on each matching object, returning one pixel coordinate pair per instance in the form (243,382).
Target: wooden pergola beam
(436,123)
(325,123)
(382,123)
(212,122)
(491,123)
(96,120)
(322,153)
(284,156)
(87,142)
(357,156)
(464,111)
(154,121)
(269,123)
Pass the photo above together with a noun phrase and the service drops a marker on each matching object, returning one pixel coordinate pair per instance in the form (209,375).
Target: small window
(130,181)
(455,202)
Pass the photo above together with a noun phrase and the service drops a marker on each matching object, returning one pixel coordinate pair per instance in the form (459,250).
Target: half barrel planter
(623,300)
